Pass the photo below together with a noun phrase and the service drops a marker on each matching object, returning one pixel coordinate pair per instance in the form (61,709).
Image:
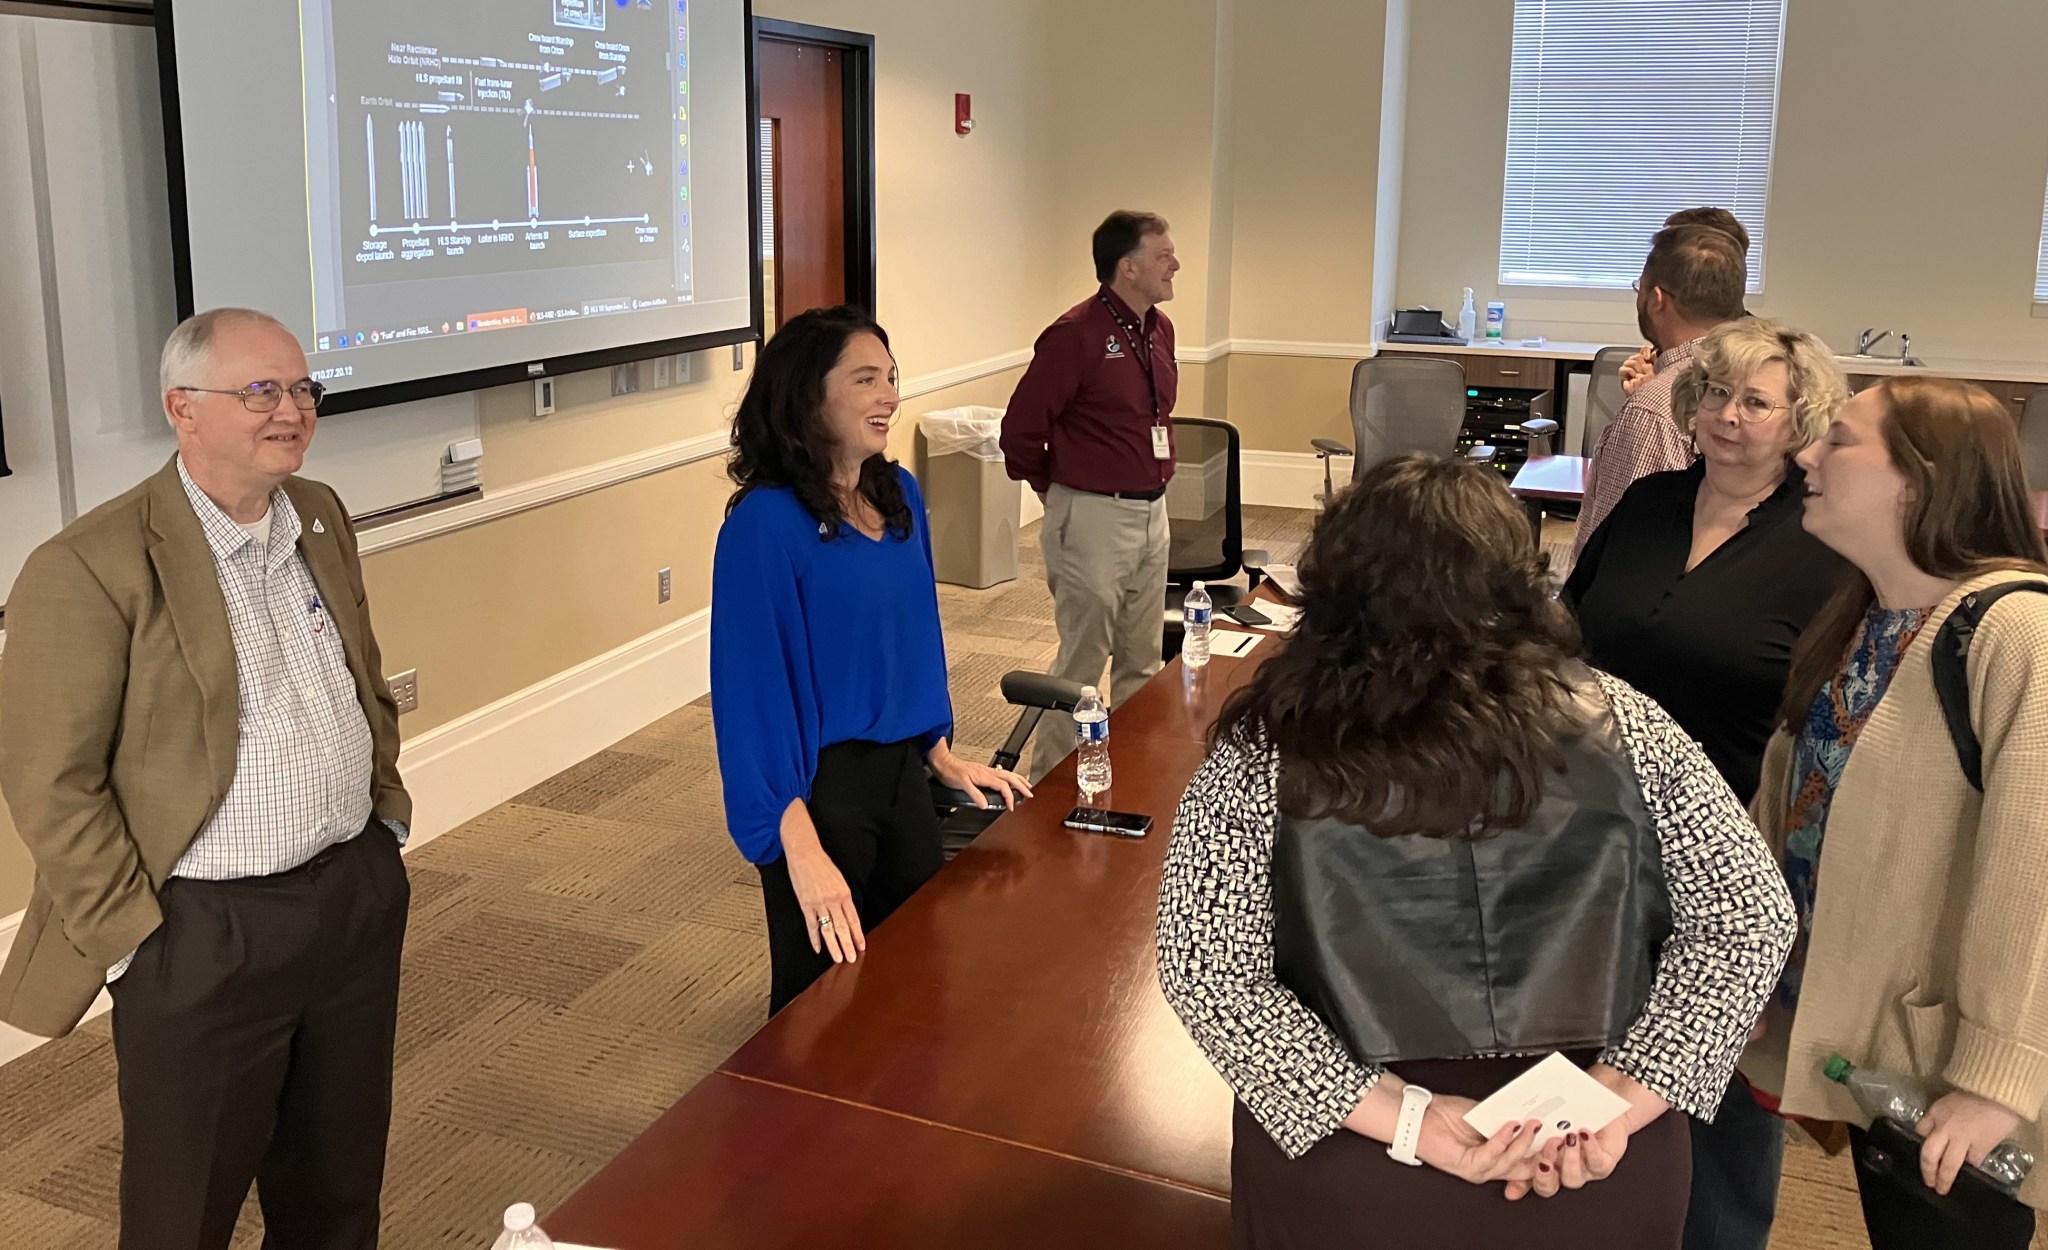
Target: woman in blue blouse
(828,670)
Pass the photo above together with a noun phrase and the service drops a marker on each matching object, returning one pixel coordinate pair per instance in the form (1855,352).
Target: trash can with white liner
(973,502)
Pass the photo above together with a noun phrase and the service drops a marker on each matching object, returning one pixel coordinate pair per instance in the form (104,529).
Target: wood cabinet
(1526,373)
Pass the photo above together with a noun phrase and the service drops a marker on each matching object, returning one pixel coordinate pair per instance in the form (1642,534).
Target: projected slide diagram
(553,136)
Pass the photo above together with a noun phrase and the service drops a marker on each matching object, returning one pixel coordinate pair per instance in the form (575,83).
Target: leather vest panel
(1540,938)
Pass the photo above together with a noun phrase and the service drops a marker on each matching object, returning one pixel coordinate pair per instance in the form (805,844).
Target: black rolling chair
(1205,512)
(960,821)
(1401,404)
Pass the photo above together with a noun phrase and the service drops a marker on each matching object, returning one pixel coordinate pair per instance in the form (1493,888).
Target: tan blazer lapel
(191,588)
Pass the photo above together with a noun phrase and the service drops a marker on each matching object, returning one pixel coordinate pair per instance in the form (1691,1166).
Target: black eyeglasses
(266,396)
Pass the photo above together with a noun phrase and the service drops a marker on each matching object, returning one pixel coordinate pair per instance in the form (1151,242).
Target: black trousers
(1899,1215)
(253,1037)
(873,809)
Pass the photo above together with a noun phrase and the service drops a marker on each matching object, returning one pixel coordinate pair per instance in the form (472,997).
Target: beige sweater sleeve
(2001,1046)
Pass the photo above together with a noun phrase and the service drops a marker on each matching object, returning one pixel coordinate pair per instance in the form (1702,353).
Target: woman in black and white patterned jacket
(1429,847)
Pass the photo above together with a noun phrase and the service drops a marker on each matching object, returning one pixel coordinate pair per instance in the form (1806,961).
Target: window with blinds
(1621,112)
(767,188)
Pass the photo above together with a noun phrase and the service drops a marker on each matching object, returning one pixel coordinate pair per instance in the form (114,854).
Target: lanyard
(1134,337)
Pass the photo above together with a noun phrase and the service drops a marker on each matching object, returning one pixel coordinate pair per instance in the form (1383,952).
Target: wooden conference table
(999,1070)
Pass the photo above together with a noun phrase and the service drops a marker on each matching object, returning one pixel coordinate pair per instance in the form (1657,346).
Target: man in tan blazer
(200,751)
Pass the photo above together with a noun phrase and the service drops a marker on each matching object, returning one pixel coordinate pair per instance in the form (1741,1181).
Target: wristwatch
(1415,1101)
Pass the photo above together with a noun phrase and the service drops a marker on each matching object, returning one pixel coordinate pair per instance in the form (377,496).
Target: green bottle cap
(1837,1069)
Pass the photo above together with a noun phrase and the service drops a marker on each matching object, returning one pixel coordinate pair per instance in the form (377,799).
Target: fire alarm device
(963,114)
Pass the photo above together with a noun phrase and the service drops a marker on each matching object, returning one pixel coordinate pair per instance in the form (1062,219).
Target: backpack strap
(1952,671)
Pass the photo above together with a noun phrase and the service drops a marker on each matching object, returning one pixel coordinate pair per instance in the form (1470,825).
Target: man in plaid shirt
(1692,282)
(200,751)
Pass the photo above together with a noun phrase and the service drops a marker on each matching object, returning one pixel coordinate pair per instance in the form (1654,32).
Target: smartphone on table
(1101,820)
(1246,614)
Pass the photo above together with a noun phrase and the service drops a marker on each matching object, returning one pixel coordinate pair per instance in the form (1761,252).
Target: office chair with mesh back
(1604,396)
(1401,404)
(2034,439)
(1205,515)
(960,821)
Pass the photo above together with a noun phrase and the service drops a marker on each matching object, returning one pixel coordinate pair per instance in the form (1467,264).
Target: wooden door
(803,94)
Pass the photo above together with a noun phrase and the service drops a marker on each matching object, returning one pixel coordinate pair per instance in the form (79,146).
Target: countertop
(2025,371)
(1550,350)
(1949,367)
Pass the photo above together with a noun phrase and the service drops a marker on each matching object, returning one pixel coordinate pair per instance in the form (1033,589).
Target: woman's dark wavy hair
(779,436)
(1423,691)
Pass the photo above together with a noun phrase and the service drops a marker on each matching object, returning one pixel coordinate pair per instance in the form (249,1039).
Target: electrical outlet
(543,397)
(739,357)
(405,690)
(682,369)
(661,365)
(663,589)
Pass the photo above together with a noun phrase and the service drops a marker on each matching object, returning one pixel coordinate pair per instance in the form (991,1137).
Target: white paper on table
(1284,576)
(1557,1092)
(1231,644)
(1284,618)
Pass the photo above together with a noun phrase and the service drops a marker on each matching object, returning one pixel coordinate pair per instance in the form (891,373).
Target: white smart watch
(1415,1101)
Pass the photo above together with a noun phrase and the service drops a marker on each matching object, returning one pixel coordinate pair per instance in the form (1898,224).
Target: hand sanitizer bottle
(1468,318)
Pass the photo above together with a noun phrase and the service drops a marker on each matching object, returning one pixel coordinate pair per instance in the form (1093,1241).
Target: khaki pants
(1105,562)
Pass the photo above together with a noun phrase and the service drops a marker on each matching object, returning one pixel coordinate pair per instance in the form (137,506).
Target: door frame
(858,118)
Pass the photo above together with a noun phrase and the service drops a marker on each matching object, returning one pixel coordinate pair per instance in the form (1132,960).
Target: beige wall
(486,611)
(1131,94)
(1906,186)
(1279,403)
(1307,86)
(1259,144)
(962,257)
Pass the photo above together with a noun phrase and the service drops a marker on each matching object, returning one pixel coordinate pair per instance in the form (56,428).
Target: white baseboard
(471,764)
(1285,479)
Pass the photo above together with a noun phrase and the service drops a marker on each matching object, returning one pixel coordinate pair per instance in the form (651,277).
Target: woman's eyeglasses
(1752,407)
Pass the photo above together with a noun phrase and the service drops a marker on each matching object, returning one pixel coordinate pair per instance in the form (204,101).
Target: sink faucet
(1870,338)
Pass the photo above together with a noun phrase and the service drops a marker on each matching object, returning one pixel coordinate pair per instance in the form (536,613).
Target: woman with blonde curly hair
(1695,590)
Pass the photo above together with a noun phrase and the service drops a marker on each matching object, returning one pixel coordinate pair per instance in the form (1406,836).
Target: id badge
(1162,443)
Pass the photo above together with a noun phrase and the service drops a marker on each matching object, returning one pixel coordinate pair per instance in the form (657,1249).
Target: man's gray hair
(190,348)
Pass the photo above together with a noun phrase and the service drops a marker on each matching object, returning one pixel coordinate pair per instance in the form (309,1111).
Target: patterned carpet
(577,959)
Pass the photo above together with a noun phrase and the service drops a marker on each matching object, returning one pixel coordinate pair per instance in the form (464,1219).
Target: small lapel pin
(317,527)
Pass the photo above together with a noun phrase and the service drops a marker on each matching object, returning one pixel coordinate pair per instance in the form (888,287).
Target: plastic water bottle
(1091,744)
(1468,319)
(1195,613)
(1885,1095)
(521,1233)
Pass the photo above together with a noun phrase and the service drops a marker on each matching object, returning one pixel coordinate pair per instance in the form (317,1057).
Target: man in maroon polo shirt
(1091,429)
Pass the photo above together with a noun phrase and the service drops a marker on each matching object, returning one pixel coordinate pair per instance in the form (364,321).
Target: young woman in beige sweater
(1923,903)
